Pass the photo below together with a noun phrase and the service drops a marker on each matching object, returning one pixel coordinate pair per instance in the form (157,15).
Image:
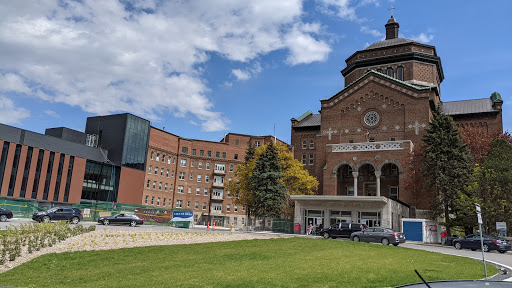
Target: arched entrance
(345,181)
(367,182)
(390,180)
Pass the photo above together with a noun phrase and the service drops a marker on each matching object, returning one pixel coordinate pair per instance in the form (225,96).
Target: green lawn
(285,262)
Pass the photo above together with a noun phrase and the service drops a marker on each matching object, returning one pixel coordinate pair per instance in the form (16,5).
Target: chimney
(392,28)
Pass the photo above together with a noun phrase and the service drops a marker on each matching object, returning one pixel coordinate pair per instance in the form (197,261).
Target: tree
(269,193)
(489,186)
(447,165)
(241,188)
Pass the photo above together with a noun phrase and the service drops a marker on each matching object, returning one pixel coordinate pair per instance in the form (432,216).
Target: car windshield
(52,210)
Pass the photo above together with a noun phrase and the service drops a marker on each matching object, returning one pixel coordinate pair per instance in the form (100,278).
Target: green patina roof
(496,97)
(303,116)
(383,75)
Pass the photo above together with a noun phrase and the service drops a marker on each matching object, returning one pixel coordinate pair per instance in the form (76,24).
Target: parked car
(73,215)
(472,242)
(5,214)
(342,230)
(377,234)
(122,218)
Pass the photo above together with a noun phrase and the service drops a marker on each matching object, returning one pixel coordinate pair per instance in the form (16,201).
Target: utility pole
(479,215)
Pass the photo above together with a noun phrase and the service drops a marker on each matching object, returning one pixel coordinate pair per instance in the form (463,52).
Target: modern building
(360,144)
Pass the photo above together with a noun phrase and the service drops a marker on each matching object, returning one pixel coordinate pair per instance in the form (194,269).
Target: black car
(342,230)
(378,235)
(73,215)
(5,214)
(472,242)
(122,218)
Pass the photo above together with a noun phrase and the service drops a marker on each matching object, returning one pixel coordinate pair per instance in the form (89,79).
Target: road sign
(477,208)
(479,218)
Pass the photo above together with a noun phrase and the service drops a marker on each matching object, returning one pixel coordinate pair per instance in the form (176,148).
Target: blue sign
(186,215)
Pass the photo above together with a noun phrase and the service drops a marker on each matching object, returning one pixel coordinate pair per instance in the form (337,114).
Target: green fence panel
(282,225)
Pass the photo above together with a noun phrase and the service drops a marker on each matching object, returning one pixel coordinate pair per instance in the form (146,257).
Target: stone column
(355,174)
(377,176)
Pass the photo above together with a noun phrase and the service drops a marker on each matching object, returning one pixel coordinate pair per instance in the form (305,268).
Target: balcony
(373,146)
(218,184)
(216,212)
(217,197)
(219,171)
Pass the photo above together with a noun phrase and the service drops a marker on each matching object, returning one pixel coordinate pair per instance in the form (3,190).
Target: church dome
(389,42)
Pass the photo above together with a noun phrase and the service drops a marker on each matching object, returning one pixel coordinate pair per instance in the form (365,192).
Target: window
(165,200)
(223,155)
(161,171)
(180,189)
(166,186)
(191,163)
(170,188)
(193,151)
(243,221)
(206,178)
(154,185)
(349,171)
(311,144)
(394,169)
(179,203)
(160,186)
(158,201)
(163,158)
(217,207)
(235,221)
(188,203)
(393,192)
(157,157)
(228,208)
(311,159)
(198,191)
(167,173)
(350,191)
(243,207)
(168,161)
(173,161)
(198,177)
(351,141)
(204,205)
(217,193)
(217,154)
(230,168)
(172,173)
(229,194)
(191,176)
(156,170)
(220,167)
(236,208)
(389,72)
(181,176)
(400,73)
(183,162)
(152,200)
(372,139)
(184,150)
(200,165)
(303,159)
(236,156)
(257,144)
(148,184)
(209,153)
(304,144)
(201,152)
(392,139)
(146,200)
(189,190)
(152,154)
(150,169)
(237,142)
(207,165)
(196,205)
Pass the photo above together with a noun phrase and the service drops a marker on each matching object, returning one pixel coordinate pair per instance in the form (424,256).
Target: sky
(201,69)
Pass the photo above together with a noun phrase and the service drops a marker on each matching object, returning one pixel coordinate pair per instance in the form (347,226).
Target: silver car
(379,235)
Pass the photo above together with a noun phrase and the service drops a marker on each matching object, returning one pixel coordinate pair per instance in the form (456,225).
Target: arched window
(390,72)
(152,154)
(311,144)
(304,144)
(157,156)
(400,73)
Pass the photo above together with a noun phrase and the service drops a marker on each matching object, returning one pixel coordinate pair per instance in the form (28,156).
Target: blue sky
(205,68)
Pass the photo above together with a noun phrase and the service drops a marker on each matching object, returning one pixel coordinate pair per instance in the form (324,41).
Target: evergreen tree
(269,193)
(447,166)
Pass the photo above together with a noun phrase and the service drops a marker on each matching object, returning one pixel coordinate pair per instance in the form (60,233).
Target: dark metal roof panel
(313,120)
(468,106)
(389,42)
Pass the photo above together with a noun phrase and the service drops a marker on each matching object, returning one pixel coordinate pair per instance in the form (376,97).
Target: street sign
(479,218)
(477,208)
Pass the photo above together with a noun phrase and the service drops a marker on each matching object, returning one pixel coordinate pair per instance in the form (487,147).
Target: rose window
(371,118)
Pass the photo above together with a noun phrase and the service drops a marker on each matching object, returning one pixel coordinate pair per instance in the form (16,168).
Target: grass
(284,262)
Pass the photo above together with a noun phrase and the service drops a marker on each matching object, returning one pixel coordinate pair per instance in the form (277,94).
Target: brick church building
(359,145)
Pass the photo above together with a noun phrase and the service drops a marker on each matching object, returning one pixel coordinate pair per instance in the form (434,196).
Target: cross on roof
(392,8)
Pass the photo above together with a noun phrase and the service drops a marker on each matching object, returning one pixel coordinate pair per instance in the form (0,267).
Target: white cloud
(423,38)
(9,113)
(375,33)
(241,75)
(52,113)
(345,9)
(105,58)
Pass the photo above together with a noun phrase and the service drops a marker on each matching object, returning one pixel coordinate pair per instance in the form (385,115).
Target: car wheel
(356,239)
(384,241)
(75,220)
(458,246)
(502,251)
(486,248)
(3,218)
(473,249)
(326,235)
(46,219)
(106,222)
(396,244)
(133,223)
